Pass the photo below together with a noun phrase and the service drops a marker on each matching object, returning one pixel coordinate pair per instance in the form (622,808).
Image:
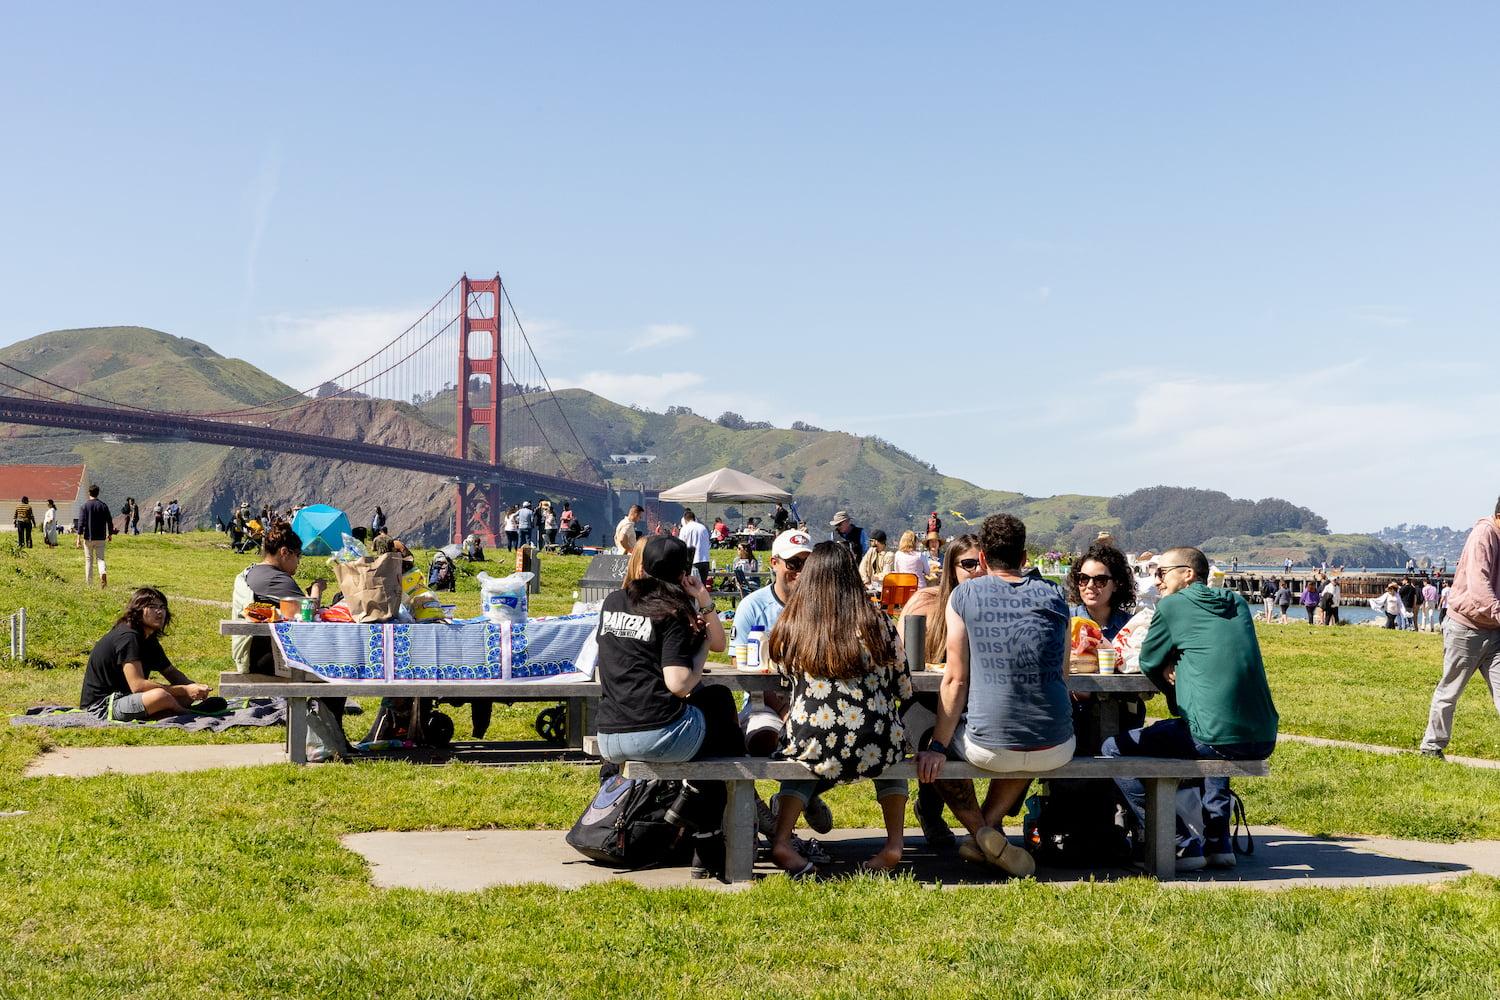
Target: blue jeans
(1172,738)
(671,744)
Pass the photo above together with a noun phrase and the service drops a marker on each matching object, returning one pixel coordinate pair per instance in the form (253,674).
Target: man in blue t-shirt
(1003,704)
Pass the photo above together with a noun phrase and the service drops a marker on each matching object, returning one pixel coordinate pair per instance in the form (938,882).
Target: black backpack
(626,824)
(1072,824)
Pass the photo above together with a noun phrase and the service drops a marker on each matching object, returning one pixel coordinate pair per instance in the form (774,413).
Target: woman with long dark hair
(848,679)
(654,637)
(116,683)
(1102,587)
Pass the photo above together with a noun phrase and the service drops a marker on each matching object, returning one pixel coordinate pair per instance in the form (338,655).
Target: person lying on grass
(849,678)
(117,685)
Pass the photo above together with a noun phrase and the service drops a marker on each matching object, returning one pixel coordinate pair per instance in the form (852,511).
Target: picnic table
(462,660)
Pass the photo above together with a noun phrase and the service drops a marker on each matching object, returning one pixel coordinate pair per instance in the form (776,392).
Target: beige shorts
(991,759)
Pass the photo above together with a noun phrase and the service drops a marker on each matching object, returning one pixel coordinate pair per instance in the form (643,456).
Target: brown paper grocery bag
(371,586)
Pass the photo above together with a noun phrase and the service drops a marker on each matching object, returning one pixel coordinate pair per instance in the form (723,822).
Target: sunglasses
(1162,571)
(968,564)
(795,565)
(1084,580)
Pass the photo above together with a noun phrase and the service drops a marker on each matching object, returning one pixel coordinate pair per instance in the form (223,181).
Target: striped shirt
(24,515)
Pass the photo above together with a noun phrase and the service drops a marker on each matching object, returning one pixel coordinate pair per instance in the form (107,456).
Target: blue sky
(1080,250)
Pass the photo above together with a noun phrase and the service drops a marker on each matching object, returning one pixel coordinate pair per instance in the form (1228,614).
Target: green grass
(1370,685)
(233,883)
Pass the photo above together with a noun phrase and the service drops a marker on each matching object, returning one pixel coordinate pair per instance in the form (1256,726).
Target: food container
(291,608)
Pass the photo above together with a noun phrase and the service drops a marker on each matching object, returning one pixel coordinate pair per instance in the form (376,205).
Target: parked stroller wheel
(437,730)
(552,723)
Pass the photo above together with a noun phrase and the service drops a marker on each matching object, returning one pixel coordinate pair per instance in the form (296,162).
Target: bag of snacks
(1084,638)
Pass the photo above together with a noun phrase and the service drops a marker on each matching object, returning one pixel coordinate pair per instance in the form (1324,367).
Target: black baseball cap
(666,558)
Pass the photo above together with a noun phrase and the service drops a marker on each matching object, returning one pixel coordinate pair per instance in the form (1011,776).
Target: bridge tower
(478,503)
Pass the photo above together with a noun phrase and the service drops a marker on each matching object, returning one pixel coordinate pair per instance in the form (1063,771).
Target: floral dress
(844,730)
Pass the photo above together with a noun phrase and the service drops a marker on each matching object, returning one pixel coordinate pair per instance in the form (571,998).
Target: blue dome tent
(321,529)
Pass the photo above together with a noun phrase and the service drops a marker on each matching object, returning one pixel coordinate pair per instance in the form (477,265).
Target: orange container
(291,608)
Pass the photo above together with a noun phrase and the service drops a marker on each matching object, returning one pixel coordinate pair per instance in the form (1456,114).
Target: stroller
(251,539)
(440,575)
(577,531)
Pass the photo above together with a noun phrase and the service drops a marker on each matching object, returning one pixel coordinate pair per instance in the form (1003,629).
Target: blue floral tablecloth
(471,650)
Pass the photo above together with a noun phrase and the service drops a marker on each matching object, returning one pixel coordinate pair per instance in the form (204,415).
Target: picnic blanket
(242,712)
(474,649)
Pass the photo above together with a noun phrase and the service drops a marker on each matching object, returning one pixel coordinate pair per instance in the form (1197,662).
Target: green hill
(881,485)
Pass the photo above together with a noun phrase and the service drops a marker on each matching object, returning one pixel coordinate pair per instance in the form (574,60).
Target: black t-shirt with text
(633,649)
(105,673)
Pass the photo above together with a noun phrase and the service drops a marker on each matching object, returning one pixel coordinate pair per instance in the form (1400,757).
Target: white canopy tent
(725,486)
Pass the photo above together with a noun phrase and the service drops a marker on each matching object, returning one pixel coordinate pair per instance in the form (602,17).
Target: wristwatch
(937,747)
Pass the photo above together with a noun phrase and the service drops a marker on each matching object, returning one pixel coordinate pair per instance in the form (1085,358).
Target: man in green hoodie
(1202,652)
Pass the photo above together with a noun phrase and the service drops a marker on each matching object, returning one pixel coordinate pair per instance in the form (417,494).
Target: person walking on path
(1429,606)
(1309,600)
(694,535)
(525,518)
(95,527)
(49,525)
(25,521)
(1471,633)
(1284,599)
(135,517)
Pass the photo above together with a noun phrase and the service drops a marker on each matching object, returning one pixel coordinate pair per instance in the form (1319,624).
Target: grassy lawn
(1370,685)
(232,883)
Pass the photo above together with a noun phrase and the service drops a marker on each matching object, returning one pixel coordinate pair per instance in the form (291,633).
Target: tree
(733,421)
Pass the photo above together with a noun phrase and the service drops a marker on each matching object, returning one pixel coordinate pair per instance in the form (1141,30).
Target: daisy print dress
(844,730)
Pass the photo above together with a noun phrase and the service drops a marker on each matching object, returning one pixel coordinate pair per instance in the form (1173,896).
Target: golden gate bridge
(466,365)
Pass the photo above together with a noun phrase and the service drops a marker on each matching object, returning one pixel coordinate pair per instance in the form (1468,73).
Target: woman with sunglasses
(960,563)
(116,683)
(1101,587)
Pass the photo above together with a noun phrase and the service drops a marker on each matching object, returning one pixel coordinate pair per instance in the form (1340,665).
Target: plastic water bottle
(752,647)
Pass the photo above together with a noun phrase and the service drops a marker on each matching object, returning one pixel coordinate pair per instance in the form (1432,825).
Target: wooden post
(296,730)
(739,832)
(1161,827)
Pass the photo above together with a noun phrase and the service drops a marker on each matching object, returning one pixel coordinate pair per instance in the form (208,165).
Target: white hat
(839,519)
(791,543)
(525,503)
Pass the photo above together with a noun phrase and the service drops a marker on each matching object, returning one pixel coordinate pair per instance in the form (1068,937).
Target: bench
(580,697)
(1160,775)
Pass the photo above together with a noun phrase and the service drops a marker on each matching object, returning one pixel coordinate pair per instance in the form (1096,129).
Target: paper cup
(1107,659)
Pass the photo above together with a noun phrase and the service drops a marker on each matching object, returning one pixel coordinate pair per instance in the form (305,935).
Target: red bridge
(469,352)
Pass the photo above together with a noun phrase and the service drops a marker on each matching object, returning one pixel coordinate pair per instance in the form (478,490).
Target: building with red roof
(65,485)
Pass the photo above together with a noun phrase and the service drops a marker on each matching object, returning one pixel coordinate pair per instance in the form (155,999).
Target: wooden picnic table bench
(579,696)
(1159,774)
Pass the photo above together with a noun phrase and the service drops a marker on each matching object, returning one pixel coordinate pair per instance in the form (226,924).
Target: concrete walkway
(468,861)
(1319,741)
(87,762)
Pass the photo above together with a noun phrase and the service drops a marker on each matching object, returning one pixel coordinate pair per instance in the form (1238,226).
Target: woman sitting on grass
(848,680)
(116,684)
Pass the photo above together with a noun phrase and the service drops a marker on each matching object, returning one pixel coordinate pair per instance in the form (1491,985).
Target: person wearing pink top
(1471,634)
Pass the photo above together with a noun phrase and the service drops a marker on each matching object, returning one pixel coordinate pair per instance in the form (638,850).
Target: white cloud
(1348,441)
(305,350)
(261,195)
(657,334)
(1387,316)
